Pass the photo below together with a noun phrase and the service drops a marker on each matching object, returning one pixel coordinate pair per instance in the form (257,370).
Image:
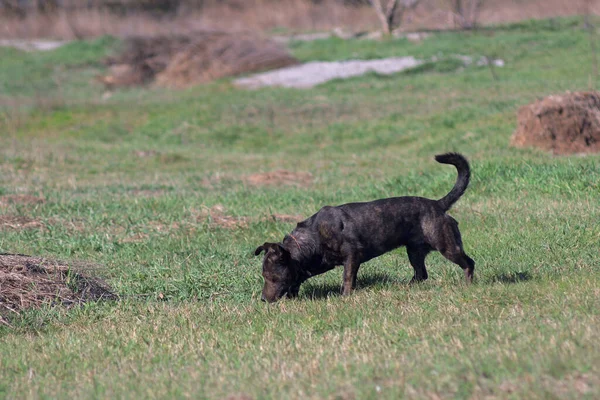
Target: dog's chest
(331,258)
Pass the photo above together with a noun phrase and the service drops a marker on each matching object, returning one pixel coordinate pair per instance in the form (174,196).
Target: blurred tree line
(389,12)
(156,7)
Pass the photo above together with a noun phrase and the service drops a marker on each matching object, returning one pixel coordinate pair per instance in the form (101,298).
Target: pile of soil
(180,61)
(564,124)
(32,282)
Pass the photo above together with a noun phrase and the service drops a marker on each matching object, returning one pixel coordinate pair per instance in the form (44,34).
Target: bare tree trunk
(385,18)
(68,14)
(458,8)
(466,12)
(391,15)
(12,8)
(46,6)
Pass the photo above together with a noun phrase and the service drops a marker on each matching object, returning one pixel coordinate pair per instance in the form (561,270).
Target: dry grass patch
(581,384)
(32,282)
(135,238)
(145,153)
(217,216)
(20,199)
(287,217)
(280,177)
(19,222)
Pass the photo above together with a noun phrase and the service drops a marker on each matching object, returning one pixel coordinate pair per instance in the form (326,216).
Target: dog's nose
(262,298)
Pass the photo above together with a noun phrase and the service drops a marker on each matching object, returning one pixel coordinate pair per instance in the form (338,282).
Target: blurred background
(77,19)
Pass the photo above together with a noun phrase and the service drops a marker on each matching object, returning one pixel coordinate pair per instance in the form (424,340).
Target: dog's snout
(262,298)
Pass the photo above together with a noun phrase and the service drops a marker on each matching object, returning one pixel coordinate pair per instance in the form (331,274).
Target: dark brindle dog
(354,233)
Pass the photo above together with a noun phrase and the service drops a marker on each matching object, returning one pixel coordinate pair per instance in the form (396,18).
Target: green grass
(190,323)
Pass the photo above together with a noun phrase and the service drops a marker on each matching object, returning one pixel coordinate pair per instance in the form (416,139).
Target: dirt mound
(179,61)
(31,282)
(564,124)
(141,59)
(280,177)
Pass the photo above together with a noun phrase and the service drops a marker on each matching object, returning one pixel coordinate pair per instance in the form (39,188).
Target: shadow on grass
(511,277)
(321,291)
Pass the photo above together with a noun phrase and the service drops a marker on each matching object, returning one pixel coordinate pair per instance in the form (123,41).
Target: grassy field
(154,185)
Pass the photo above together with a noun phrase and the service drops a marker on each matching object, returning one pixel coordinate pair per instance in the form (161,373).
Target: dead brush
(179,61)
(220,55)
(33,282)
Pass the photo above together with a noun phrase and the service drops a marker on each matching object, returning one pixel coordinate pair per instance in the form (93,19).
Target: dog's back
(378,226)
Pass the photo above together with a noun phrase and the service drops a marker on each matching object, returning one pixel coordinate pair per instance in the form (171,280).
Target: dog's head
(280,275)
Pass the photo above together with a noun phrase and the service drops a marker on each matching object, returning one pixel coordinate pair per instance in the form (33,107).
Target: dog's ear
(279,249)
(264,247)
(276,248)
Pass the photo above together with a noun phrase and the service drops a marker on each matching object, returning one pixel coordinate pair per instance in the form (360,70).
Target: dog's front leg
(293,292)
(350,271)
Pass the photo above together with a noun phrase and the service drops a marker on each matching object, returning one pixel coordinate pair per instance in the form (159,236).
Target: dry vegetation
(32,282)
(292,15)
(19,222)
(20,199)
(178,60)
(280,177)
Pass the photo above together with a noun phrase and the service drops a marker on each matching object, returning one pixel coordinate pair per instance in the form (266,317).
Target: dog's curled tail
(464,175)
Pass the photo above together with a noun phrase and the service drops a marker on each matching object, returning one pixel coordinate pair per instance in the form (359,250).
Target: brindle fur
(353,233)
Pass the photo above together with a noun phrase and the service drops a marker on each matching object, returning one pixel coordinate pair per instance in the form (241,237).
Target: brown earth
(287,217)
(20,199)
(32,282)
(562,388)
(217,216)
(280,177)
(146,153)
(184,60)
(19,222)
(563,124)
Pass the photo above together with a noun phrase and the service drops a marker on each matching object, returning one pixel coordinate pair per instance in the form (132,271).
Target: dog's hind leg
(416,256)
(451,247)
(459,257)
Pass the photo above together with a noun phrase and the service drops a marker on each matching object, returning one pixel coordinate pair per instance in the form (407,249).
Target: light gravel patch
(32,45)
(317,72)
